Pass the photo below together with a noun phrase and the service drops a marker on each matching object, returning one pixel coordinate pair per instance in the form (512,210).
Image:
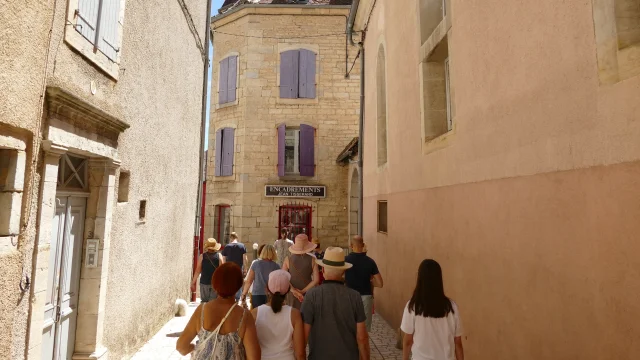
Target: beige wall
(526,202)
(259,111)
(158,93)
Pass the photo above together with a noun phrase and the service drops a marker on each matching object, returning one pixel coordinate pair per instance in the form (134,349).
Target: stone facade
(513,160)
(131,110)
(258,34)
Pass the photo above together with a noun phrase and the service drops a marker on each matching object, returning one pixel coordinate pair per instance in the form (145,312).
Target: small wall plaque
(91,260)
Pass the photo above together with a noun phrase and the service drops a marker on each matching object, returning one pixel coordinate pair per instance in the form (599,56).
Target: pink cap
(279,282)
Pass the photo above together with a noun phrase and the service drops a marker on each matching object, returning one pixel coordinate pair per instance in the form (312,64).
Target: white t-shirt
(432,337)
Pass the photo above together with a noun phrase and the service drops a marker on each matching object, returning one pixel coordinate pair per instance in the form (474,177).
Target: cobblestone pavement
(163,345)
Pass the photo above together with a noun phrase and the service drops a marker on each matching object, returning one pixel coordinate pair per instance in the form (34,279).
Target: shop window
(381,102)
(224,148)
(296,150)
(222,223)
(296,218)
(382,216)
(123,187)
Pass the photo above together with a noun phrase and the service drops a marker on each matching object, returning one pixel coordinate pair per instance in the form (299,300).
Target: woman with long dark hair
(279,327)
(431,321)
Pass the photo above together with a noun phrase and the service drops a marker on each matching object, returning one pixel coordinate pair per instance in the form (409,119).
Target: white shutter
(108,33)
(87,18)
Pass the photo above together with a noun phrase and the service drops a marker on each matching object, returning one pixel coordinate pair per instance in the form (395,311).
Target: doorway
(65,257)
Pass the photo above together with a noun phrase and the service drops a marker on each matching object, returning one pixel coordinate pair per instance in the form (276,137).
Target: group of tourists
(301,295)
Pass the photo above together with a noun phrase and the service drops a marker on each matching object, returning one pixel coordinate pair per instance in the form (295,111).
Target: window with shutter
(296,154)
(87,18)
(281,149)
(289,65)
(227,151)
(307,153)
(232,78)
(98,21)
(223,79)
(218,153)
(307,83)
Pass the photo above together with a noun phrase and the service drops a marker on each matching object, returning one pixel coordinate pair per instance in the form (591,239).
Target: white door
(61,307)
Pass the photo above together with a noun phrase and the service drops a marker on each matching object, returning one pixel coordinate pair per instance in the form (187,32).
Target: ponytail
(277,300)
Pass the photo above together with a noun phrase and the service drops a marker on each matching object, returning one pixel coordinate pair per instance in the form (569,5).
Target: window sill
(299,101)
(85,48)
(227,105)
(439,143)
(382,232)
(224,178)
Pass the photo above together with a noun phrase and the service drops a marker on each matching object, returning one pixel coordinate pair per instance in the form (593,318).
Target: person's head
(233,236)
(333,264)
(211,245)
(278,287)
(428,298)
(268,253)
(357,244)
(227,280)
(283,233)
(260,249)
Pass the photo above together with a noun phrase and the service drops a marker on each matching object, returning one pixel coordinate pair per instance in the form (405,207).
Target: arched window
(381,88)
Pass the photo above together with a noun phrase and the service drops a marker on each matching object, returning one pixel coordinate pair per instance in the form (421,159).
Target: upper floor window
(381,102)
(228,80)
(431,14)
(298,74)
(98,21)
(224,148)
(296,155)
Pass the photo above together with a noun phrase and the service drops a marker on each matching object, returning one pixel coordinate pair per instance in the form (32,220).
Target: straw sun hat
(302,245)
(334,258)
(211,245)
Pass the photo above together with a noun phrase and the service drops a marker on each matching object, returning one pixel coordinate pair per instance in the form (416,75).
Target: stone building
(282,111)
(100,107)
(502,140)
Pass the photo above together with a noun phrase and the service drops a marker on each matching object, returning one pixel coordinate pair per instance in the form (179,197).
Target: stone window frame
(217,95)
(296,124)
(236,159)
(431,48)
(12,191)
(607,45)
(282,47)
(87,49)
(382,134)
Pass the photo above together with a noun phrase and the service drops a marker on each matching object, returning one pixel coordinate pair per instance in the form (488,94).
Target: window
(448,95)
(98,22)
(12,171)
(382,216)
(381,101)
(296,218)
(628,31)
(437,102)
(224,148)
(123,187)
(142,211)
(296,154)
(72,173)
(298,74)
(222,223)
(227,82)
(431,14)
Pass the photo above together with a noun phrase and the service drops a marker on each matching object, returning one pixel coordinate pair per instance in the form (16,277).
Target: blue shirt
(261,270)
(234,252)
(359,276)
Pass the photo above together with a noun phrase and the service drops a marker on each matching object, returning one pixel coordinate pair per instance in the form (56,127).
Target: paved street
(163,345)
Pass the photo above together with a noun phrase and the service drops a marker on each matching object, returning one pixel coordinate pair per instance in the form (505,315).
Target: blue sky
(214,10)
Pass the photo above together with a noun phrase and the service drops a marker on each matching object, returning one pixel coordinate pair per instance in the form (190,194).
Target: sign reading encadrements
(295,191)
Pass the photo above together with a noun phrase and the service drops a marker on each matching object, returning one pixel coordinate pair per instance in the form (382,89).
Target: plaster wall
(529,204)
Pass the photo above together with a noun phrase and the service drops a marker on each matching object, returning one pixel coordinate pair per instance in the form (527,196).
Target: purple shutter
(307,88)
(281,135)
(307,158)
(224,81)
(218,154)
(227,151)
(233,77)
(289,74)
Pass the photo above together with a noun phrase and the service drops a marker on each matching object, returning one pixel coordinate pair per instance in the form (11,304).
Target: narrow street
(163,345)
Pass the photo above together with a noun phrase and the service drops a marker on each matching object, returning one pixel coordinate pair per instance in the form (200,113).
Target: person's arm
(315,279)
(247,284)
(254,313)
(459,350)
(407,343)
(196,273)
(307,331)
(184,345)
(363,341)
(222,259)
(376,280)
(285,264)
(245,260)
(250,338)
(299,344)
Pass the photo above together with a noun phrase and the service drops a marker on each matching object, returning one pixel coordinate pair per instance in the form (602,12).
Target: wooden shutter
(281,138)
(232,78)
(218,154)
(289,61)
(227,151)
(307,158)
(87,18)
(307,83)
(223,79)
(108,31)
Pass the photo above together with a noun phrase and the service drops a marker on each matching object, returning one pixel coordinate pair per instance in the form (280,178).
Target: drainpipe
(350,22)
(203,124)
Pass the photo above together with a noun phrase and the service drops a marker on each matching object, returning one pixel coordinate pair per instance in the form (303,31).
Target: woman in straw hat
(303,270)
(208,262)
(259,275)
(279,327)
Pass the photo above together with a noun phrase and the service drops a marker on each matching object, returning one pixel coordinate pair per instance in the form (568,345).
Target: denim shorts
(207,293)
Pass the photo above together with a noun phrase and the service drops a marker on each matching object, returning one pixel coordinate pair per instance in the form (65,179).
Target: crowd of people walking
(302,296)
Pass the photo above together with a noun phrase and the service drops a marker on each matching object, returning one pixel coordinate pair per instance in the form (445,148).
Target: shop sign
(295,191)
